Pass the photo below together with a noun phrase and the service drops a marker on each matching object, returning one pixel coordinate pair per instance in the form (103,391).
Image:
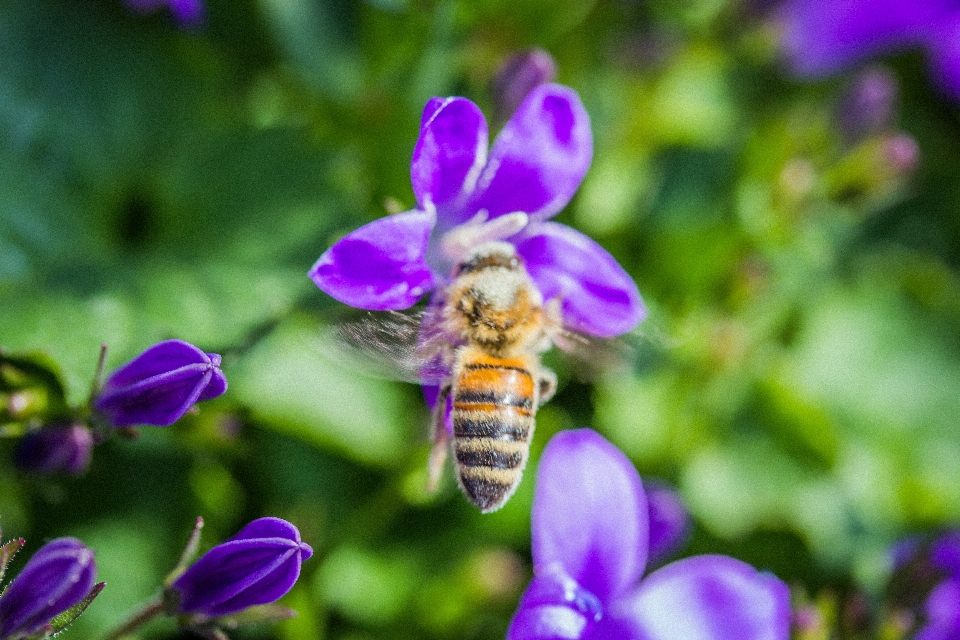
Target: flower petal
(823,36)
(382,265)
(539,159)
(708,598)
(598,297)
(944,48)
(669,520)
(943,612)
(589,514)
(945,552)
(554,607)
(450,153)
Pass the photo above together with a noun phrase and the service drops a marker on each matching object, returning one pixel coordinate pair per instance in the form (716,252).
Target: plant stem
(140,618)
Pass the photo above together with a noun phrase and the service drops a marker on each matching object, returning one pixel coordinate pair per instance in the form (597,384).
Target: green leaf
(7,552)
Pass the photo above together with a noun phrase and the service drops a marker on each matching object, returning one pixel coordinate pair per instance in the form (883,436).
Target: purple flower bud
(868,106)
(257,566)
(187,13)
(57,577)
(519,75)
(669,521)
(53,449)
(160,385)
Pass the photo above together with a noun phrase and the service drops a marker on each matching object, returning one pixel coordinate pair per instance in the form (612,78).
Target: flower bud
(519,75)
(868,105)
(57,577)
(187,13)
(54,449)
(669,521)
(160,385)
(257,566)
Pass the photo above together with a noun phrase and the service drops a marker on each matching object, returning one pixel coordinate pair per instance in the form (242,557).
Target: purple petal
(450,153)
(943,612)
(259,565)
(589,514)
(944,48)
(539,159)
(945,552)
(57,577)
(217,385)
(160,385)
(554,607)
(823,36)
(382,265)
(518,76)
(598,297)
(187,12)
(708,598)
(669,520)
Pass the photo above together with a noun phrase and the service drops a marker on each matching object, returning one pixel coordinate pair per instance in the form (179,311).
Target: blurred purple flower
(942,607)
(821,37)
(517,77)
(533,169)
(187,13)
(669,521)
(57,577)
(160,385)
(868,105)
(257,566)
(590,548)
(54,449)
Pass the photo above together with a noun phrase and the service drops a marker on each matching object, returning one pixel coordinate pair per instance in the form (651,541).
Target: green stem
(137,620)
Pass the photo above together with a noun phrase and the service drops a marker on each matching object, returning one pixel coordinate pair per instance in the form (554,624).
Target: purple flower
(160,385)
(57,577)
(942,607)
(821,37)
(590,548)
(669,521)
(56,448)
(257,566)
(187,13)
(466,196)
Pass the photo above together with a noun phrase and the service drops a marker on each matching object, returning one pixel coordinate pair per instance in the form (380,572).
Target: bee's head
(489,255)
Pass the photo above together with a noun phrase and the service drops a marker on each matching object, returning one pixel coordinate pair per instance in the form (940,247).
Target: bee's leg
(548,385)
(441,441)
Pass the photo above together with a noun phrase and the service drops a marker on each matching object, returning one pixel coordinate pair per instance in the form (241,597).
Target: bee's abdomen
(493,420)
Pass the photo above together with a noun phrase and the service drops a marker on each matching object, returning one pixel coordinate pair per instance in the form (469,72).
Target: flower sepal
(7,552)
(66,618)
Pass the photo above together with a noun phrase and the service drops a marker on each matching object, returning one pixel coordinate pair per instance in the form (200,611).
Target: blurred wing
(590,358)
(389,345)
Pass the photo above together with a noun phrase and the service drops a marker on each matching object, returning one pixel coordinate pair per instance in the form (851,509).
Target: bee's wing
(390,345)
(592,358)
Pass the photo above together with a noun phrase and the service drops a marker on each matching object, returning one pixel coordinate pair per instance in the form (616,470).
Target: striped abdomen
(494,401)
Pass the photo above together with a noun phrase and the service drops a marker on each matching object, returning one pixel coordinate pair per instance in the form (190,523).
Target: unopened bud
(868,105)
(519,75)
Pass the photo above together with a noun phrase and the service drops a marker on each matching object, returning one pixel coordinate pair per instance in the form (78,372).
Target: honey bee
(496,326)
(479,341)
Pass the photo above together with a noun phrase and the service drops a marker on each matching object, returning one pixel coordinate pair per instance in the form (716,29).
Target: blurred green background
(798,377)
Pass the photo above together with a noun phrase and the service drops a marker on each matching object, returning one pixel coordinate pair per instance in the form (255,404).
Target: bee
(495,327)
(479,341)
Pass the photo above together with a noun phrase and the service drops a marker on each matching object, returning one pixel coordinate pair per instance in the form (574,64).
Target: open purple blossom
(821,37)
(160,385)
(590,549)
(53,449)
(257,566)
(187,13)
(467,195)
(57,577)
